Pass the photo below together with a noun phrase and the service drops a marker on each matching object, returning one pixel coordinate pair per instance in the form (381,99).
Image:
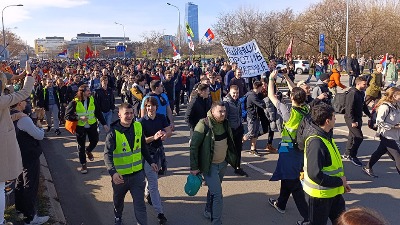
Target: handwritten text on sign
(248,57)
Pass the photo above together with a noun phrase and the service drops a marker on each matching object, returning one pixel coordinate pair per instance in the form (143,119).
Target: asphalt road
(87,199)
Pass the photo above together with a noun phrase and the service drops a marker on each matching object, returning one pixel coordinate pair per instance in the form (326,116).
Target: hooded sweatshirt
(388,115)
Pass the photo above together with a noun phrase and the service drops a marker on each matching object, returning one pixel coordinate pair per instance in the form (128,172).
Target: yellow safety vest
(89,113)
(334,170)
(289,131)
(128,160)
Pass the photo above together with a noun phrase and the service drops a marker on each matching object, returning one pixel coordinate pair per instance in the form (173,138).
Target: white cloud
(19,14)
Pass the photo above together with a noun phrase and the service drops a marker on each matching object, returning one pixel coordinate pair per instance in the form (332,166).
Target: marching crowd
(81,96)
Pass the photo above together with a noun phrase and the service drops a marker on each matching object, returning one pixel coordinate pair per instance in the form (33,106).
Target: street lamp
(123,28)
(179,25)
(4,33)
(347,28)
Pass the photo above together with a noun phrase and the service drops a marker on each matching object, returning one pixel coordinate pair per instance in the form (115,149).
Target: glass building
(192,17)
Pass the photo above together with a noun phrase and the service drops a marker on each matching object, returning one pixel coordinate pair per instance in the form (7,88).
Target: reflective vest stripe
(126,154)
(306,182)
(128,166)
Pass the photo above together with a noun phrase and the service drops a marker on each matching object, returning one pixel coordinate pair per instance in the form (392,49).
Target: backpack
(339,102)
(372,121)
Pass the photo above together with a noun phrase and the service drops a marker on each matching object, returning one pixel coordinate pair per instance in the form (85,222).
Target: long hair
(360,215)
(389,96)
(81,91)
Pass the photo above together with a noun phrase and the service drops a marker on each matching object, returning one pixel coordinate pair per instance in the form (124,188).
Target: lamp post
(4,33)
(179,25)
(123,28)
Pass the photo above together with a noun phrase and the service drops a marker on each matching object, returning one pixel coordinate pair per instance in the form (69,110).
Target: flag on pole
(176,51)
(209,35)
(384,63)
(63,54)
(76,55)
(289,50)
(189,30)
(89,53)
(190,42)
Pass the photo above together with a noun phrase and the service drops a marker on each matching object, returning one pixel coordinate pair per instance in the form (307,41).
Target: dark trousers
(237,139)
(355,137)
(26,190)
(294,187)
(351,80)
(61,113)
(135,184)
(385,146)
(93,136)
(176,102)
(320,209)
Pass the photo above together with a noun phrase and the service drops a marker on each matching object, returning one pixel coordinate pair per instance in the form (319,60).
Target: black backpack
(339,102)
(372,121)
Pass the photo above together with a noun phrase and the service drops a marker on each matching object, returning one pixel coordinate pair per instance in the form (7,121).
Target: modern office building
(98,40)
(49,45)
(192,17)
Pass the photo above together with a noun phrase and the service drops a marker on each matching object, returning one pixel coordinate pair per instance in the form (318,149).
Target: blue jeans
(214,194)
(108,118)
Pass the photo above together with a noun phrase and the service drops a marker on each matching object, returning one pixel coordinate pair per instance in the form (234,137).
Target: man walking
(324,180)
(49,99)
(124,151)
(211,149)
(353,69)
(355,105)
(104,98)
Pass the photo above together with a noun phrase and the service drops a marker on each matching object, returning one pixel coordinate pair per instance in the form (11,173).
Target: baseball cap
(193,184)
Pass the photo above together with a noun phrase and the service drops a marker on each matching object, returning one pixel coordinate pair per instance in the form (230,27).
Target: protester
(355,106)
(353,69)
(50,100)
(138,91)
(334,80)
(324,179)
(84,110)
(156,130)
(322,88)
(215,87)
(234,116)
(240,82)
(27,184)
(388,121)
(104,98)
(211,149)
(198,107)
(290,159)
(373,92)
(126,170)
(391,73)
(72,88)
(62,90)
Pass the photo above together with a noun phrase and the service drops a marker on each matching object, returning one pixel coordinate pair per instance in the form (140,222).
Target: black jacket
(353,65)
(109,146)
(253,102)
(63,94)
(318,157)
(355,105)
(241,85)
(105,99)
(72,89)
(70,113)
(43,98)
(197,109)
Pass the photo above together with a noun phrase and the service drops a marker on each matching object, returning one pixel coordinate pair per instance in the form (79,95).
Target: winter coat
(202,146)
(388,115)
(233,111)
(275,120)
(10,160)
(334,79)
(197,109)
(375,85)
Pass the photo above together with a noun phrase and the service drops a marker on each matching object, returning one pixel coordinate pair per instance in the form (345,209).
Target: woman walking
(388,121)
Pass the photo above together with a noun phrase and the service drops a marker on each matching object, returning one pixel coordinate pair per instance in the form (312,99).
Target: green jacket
(202,146)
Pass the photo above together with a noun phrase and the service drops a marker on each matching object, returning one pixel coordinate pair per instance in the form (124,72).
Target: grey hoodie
(388,115)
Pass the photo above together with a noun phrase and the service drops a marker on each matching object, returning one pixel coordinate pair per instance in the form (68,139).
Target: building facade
(192,18)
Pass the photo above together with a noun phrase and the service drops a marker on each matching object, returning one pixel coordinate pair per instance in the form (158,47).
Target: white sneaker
(38,220)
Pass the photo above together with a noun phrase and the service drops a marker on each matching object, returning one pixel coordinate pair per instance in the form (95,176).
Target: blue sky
(66,18)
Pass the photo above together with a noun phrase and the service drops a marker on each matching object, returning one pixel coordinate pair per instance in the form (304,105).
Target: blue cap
(193,184)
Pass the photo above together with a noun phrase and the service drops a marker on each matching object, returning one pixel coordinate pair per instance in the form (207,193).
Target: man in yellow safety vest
(124,151)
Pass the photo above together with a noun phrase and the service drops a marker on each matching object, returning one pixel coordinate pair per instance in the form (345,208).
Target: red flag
(288,54)
(89,53)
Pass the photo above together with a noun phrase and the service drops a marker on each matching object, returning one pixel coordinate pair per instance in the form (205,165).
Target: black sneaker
(148,199)
(118,221)
(274,203)
(369,172)
(48,129)
(356,161)
(161,219)
(58,132)
(241,172)
(254,152)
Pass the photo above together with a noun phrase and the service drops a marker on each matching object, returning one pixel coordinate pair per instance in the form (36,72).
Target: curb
(55,209)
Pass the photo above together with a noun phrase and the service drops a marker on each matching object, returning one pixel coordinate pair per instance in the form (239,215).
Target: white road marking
(257,169)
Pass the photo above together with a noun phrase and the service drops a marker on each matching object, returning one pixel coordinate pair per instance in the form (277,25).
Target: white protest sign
(248,57)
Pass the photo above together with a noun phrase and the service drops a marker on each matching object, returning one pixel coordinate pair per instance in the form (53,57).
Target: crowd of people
(223,110)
